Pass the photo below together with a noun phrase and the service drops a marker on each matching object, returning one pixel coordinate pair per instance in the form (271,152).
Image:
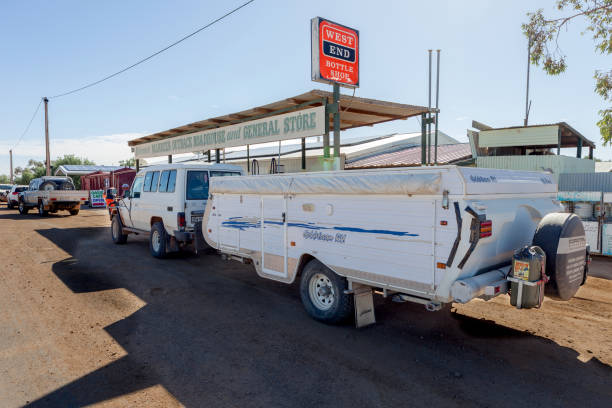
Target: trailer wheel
(323,293)
(23,210)
(157,240)
(117,231)
(74,212)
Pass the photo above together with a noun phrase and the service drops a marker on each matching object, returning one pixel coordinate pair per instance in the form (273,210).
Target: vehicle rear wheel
(323,293)
(23,210)
(74,212)
(10,205)
(157,240)
(41,210)
(117,231)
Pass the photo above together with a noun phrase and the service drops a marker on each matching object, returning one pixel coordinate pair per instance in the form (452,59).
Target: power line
(156,53)
(29,124)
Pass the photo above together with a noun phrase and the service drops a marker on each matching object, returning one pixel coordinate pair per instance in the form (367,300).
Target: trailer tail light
(83,199)
(180,221)
(486,228)
(53,199)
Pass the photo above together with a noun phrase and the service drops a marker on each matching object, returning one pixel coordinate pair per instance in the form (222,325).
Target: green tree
(4,179)
(543,35)
(131,162)
(35,169)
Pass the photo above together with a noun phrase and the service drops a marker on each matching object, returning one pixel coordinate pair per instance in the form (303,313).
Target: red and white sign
(335,53)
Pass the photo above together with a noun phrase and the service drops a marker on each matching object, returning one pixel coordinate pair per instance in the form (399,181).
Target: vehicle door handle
(169,208)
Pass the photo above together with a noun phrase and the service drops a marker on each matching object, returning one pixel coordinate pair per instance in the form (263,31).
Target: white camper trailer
(432,235)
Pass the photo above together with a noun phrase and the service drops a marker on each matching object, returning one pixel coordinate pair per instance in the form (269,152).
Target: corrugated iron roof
(411,156)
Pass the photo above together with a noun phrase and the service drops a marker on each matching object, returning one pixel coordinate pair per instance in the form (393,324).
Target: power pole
(48,155)
(11,160)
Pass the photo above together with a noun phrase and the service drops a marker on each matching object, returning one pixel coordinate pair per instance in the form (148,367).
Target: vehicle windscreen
(197,185)
(20,189)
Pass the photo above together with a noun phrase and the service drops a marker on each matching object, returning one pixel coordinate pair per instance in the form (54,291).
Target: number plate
(196,218)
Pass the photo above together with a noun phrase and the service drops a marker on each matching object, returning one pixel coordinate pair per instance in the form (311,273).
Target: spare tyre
(48,186)
(562,237)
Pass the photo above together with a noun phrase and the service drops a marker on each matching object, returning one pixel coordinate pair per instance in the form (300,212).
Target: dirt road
(87,322)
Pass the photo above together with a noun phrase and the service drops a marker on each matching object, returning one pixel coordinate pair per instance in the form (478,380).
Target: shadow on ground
(213,334)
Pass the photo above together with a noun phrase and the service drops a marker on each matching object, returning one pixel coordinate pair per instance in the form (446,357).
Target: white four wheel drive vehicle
(167,202)
(51,194)
(432,235)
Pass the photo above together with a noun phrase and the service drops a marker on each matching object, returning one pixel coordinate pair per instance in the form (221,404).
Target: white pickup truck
(51,194)
(431,235)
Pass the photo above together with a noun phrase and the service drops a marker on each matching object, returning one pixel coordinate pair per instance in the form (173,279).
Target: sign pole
(336,122)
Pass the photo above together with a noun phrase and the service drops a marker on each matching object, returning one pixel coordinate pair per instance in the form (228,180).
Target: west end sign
(334,53)
(294,125)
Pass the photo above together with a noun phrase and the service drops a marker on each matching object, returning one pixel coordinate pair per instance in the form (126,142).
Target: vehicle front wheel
(117,231)
(323,293)
(157,240)
(41,210)
(23,210)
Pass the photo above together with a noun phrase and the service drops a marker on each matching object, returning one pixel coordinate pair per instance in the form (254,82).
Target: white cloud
(106,149)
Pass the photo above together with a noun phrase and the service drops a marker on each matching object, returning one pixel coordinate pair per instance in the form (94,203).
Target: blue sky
(262,54)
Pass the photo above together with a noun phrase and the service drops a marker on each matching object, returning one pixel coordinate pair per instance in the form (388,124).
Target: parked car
(50,194)
(166,201)
(4,190)
(12,198)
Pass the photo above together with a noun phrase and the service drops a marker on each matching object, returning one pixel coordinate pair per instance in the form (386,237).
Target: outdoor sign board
(334,53)
(293,125)
(96,198)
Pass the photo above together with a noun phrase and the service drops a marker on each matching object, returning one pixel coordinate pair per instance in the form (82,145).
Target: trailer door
(273,229)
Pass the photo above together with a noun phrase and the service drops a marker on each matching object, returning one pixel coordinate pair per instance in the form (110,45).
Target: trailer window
(197,185)
(223,173)
(147,181)
(154,181)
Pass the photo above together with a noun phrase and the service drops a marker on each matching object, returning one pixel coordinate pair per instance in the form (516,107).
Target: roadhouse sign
(335,53)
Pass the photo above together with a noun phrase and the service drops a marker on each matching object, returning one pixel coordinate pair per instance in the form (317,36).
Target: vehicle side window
(147,181)
(163,181)
(197,185)
(154,181)
(136,187)
(171,181)
(223,173)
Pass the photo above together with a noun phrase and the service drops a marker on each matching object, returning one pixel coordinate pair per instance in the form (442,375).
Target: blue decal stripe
(243,225)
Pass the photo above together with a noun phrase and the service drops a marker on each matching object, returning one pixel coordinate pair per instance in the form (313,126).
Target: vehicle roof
(54,178)
(425,180)
(211,166)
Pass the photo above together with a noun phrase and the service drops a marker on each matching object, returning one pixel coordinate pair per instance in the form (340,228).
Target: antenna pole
(527,104)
